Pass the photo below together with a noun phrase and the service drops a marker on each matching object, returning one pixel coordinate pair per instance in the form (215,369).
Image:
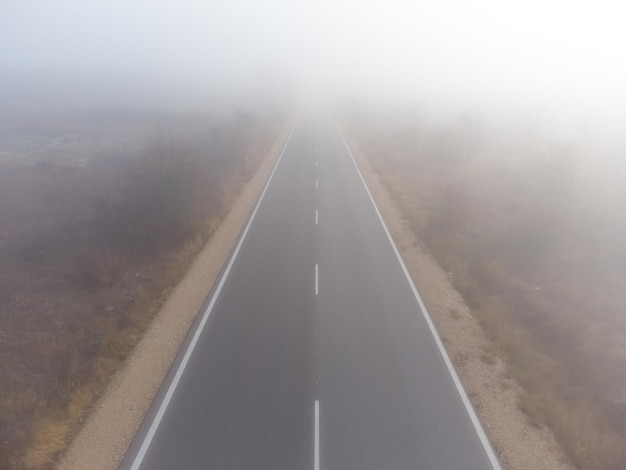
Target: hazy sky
(561,50)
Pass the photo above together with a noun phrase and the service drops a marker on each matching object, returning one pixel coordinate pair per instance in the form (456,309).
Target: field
(100,215)
(528,223)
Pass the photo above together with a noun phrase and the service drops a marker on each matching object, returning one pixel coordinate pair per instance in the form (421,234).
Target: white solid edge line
(181,367)
(455,378)
(316,455)
(316,279)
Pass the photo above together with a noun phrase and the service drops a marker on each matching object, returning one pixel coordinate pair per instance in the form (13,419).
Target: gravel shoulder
(108,431)
(518,443)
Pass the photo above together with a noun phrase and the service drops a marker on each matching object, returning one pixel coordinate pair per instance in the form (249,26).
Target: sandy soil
(518,444)
(106,434)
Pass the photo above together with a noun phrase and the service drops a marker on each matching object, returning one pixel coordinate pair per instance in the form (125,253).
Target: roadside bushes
(527,228)
(88,254)
(168,192)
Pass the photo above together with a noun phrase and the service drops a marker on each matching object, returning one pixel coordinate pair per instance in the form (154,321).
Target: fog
(557,54)
(498,127)
(549,67)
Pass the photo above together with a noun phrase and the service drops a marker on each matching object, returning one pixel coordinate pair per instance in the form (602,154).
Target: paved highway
(314,350)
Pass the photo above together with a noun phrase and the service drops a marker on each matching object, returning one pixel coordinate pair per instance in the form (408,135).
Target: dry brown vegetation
(92,238)
(528,224)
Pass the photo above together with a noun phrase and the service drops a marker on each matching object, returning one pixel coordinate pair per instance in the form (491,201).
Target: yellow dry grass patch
(47,437)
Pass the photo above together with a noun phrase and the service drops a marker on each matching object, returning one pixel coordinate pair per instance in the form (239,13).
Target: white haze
(562,55)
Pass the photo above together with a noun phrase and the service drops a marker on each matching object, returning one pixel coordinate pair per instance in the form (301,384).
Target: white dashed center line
(316,458)
(316,280)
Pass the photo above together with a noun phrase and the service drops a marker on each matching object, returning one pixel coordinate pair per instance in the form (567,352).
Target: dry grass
(87,257)
(506,232)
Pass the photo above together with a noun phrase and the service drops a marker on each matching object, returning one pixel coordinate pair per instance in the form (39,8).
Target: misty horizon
(557,55)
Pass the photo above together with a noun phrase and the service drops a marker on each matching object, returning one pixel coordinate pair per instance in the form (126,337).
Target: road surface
(313,351)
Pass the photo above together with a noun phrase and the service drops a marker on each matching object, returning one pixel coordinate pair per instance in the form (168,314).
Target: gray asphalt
(279,339)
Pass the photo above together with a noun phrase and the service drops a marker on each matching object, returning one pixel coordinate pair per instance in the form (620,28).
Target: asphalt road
(313,351)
